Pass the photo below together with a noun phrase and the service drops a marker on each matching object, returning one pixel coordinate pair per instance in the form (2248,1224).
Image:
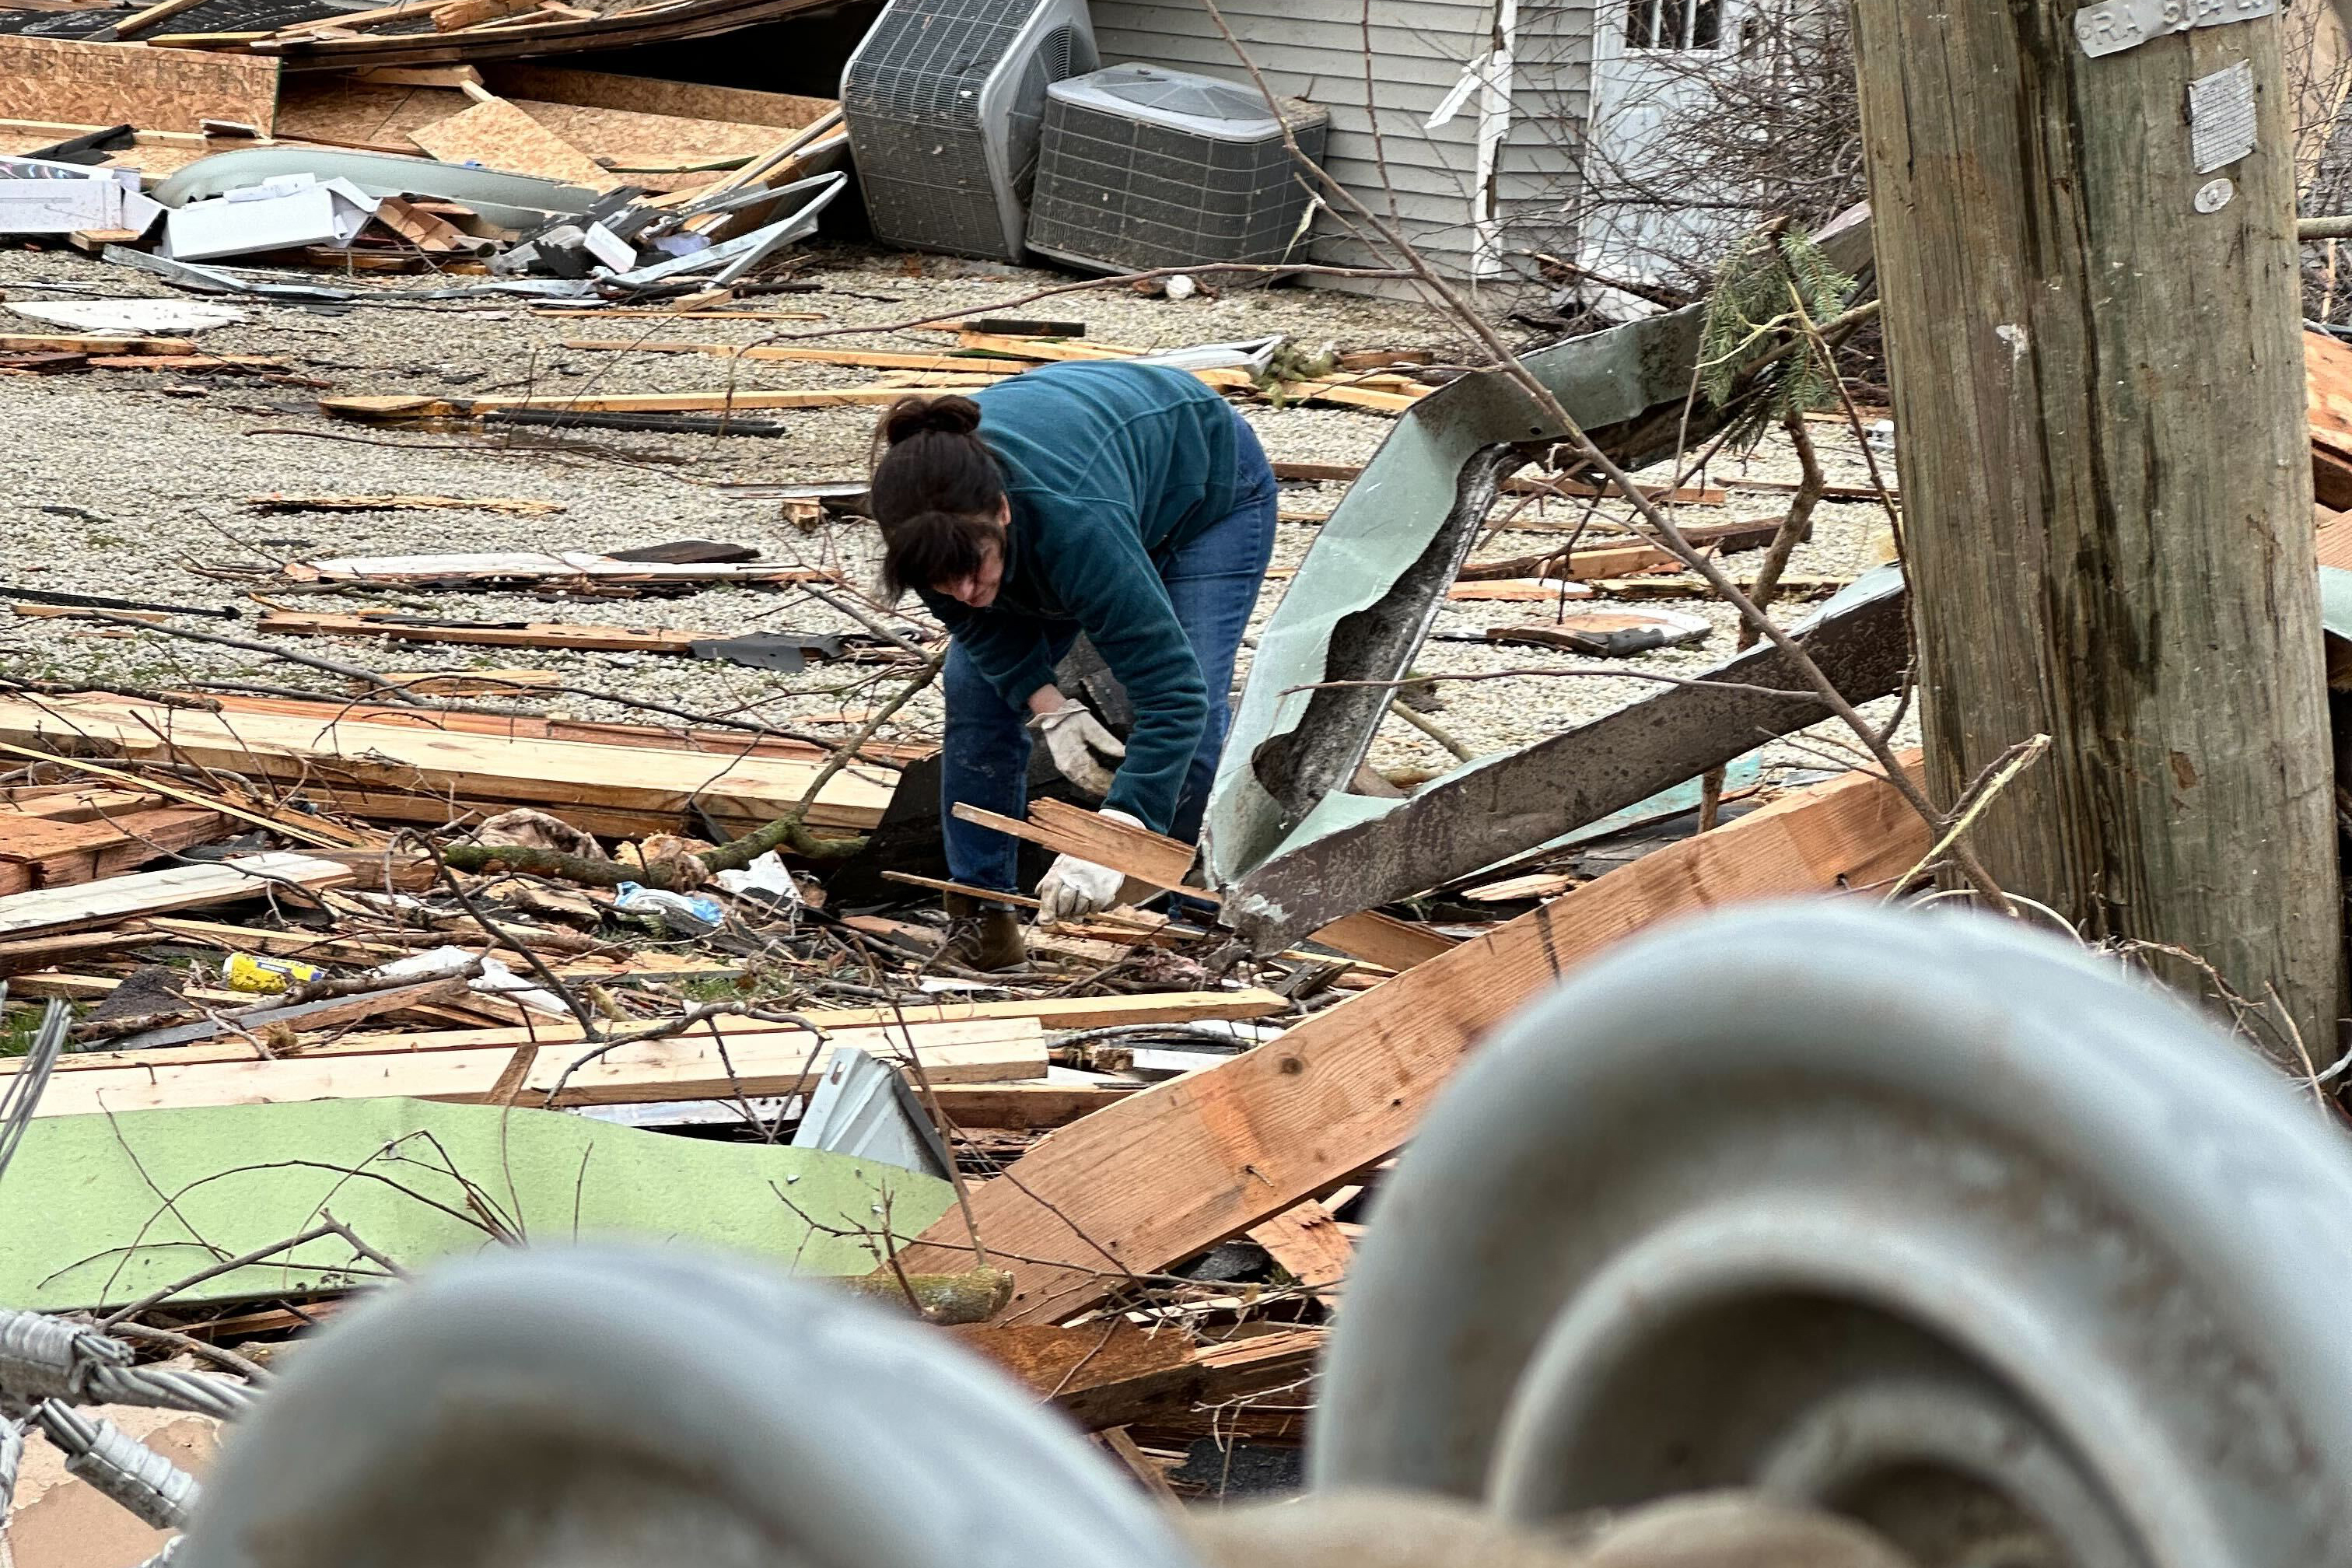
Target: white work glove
(1073,736)
(1074,889)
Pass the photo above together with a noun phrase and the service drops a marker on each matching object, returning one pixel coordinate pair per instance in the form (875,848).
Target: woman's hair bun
(910,416)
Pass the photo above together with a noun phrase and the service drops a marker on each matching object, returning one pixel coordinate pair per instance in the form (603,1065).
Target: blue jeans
(1212,583)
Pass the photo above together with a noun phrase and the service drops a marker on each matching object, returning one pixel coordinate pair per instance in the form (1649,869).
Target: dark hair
(936,492)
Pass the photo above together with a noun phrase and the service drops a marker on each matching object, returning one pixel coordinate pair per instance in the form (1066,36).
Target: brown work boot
(983,936)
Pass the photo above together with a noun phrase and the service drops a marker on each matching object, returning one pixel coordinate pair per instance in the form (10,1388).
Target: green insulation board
(99,1210)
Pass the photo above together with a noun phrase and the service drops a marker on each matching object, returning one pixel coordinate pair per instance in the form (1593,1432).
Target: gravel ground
(125,483)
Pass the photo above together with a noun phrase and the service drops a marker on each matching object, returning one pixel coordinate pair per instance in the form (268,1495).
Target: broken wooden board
(1163,862)
(448,762)
(2327,382)
(492,633)
(395,408)
(1067,829)
(92,343)
(567,565)
(497,135)
(1308,1244)
(114,84)
(40,852)
(869,359)
(249,1027)
(159,892)
(1168,1173)
(1057,1012)
(688,1067)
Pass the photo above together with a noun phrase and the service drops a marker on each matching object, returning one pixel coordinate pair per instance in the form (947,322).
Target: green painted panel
(102,1210)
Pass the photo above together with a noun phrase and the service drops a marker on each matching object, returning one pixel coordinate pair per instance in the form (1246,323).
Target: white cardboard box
(40,197)
(291,210)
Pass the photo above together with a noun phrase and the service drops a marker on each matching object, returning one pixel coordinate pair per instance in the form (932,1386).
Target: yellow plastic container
(252,971)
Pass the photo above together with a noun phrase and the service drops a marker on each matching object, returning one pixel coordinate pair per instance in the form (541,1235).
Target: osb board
(498,135)
(345,110)
(114,84)
(644,95)
(340,110)
(149,157)
(633,140)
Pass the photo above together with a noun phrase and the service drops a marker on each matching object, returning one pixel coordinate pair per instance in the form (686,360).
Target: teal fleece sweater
(1111,466)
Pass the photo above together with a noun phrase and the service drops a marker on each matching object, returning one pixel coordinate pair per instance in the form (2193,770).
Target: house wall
(1314,49)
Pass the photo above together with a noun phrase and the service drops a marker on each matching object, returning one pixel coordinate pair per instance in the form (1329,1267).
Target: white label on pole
(2222,117)
(2213,196)
(2112,26)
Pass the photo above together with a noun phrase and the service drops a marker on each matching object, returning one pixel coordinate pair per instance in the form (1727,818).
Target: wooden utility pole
(2085,238)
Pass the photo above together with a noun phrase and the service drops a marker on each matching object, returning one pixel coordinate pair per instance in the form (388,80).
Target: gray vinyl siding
(1314,49)
(1541,163)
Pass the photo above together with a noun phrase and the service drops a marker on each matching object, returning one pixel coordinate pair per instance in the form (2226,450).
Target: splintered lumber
(395,408)
(497,135)
(1103,1377)
(1067,829)
(48,951)
(1619,557)
(1047,1012)
(159,892)
(489,634)
(688,1067)
(1154,857)
(558,567)
(871,359)
(115,84)
(92,343)
(2327,384)
(1170,1172)
(334,1013)
(40,852)
(450,762)
(1384,940)
(2335,539)
(1308,1244)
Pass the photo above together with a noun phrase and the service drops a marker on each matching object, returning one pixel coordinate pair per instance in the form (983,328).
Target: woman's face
(978,589)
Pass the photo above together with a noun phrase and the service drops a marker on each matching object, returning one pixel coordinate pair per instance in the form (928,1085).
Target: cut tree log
(1170,1172)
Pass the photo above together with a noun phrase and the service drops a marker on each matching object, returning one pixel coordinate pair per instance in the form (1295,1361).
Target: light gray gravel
(124,483)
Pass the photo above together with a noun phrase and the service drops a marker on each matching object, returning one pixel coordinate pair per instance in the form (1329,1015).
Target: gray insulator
(1936,1222)
(591,1406)
(170,1554)
(118,1465)
(43,1357)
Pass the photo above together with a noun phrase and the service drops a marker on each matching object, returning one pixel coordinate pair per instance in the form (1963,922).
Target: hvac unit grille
(1141,168)
(943,102)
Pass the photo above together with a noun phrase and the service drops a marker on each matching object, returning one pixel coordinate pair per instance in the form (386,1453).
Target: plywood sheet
(647,95)
(114,84)
(634,140)
(336,109)
(500,135)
